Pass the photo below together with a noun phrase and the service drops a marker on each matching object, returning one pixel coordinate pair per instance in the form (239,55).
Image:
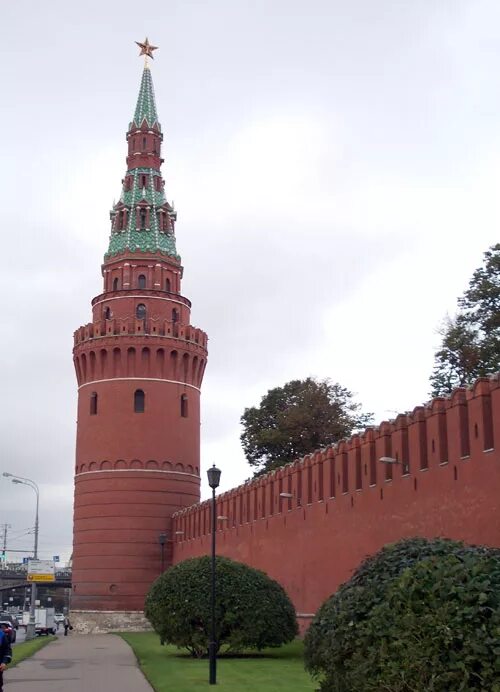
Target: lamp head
(388,460)
(213,477)
(162,538)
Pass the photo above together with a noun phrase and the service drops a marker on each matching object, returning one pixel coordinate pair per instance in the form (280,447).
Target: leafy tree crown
(297,419)
(470,341)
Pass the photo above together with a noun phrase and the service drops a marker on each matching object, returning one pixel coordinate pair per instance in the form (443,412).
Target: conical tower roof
(143,220)
(146,104)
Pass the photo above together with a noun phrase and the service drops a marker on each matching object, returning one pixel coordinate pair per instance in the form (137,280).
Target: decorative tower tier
(139,366)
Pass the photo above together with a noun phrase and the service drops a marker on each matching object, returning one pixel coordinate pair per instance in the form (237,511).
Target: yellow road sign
(41,577)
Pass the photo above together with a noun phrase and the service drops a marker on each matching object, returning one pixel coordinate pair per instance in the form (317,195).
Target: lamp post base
(30,631)
(212,656)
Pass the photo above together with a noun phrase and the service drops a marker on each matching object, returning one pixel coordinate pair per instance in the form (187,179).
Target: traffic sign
(25,560)
(56,558)
(41,570)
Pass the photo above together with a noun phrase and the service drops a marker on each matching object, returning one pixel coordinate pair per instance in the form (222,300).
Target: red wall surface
(135,466)
(347,505)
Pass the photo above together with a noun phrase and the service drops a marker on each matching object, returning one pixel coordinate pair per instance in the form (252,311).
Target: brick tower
(139,366)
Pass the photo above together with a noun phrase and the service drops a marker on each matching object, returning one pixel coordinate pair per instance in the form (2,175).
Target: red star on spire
(146,48)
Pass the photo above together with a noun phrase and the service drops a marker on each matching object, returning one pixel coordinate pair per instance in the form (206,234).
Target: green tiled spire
(146,106)
(143,189)
(150,239)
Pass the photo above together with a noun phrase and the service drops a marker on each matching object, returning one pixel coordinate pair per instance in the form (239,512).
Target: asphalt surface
(100,662)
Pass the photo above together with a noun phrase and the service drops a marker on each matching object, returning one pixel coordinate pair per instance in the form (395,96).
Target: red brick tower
(139,366)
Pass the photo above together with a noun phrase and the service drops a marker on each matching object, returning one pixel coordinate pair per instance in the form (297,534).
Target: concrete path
(99,663)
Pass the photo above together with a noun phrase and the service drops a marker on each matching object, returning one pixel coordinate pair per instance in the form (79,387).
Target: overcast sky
(335,166)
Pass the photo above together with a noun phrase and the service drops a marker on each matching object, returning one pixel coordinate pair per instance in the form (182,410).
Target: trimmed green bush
(419,615)
(252,610)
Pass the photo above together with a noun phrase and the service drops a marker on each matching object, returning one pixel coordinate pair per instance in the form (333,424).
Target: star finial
(146,48)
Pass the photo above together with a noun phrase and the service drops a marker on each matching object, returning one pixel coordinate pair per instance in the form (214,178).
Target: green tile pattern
(150,239)
(146,104)
(142,241)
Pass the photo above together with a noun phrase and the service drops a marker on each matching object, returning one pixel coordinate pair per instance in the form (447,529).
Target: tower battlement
(131,326)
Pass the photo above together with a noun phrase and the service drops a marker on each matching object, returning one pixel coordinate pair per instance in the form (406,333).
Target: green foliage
(252,610)
(296,419)
(470,346)
(419,615)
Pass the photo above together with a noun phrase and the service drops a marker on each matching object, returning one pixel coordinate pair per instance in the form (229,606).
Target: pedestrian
(5,654)
(67,626)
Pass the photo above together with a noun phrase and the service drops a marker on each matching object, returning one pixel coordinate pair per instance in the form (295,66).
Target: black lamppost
(213,481)
(161,540)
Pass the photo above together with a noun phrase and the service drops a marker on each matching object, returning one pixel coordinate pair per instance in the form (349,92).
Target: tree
(252,610)
(470,346)
(296,419)
(419,615)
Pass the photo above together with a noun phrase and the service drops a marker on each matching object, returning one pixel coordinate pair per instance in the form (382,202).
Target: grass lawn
(27,649)
(169,670)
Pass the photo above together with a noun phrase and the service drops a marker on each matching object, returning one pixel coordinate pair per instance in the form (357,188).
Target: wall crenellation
(442,432)
(345,504)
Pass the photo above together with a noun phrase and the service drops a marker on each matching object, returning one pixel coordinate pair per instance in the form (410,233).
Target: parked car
(9,630)
(11,618)
(59,617)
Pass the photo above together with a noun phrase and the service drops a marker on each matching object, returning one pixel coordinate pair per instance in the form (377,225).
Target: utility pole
(6,528)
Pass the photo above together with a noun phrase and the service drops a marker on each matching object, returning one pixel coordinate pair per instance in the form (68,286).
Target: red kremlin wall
(346,504)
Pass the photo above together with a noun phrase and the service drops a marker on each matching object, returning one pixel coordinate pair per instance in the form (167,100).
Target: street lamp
(161,540)
(391,461)
(213,481)
(19,480)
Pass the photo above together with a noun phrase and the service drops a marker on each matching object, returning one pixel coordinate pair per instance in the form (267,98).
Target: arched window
(93,404)
(120,221)
(144,144)
(184,406)
(115,284)
(143,180)
(142,218)
(167,285)
(175,315)
(107,313)
(139,401)
(140,311)
(141,281)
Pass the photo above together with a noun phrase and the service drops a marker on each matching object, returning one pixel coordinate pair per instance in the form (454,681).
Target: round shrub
(252,610)
(419,615)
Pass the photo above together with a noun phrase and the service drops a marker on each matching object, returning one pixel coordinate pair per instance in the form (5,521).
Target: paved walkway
(99,663)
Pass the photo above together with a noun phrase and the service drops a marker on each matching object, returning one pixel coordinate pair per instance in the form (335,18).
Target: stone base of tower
(102,621)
